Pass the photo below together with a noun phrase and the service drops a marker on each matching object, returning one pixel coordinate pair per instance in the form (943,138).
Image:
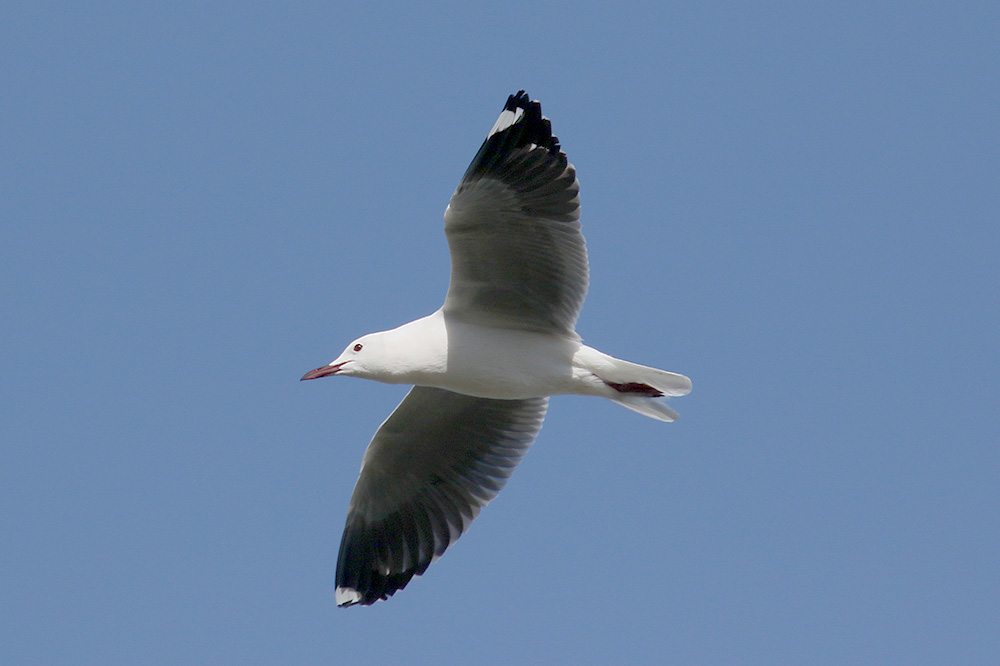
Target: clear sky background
(795,204)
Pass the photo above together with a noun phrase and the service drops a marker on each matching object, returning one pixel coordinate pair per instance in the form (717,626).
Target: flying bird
(482,366)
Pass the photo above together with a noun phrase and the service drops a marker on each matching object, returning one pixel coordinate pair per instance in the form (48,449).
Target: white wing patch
(506,119)
(346,596)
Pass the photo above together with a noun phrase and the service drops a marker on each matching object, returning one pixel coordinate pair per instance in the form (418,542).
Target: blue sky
(795,204)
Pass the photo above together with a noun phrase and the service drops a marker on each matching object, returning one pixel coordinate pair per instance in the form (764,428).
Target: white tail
(637,387)
(653,407)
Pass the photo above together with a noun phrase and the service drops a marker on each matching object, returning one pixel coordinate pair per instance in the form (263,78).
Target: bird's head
(362,358)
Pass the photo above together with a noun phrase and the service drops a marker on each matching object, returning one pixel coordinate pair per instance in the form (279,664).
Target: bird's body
(443,351)
(477,360)
(484,364)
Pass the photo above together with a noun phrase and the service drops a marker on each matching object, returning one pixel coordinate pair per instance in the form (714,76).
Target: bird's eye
(357,347)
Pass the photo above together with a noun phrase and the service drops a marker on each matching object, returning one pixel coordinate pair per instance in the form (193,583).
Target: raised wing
(518,259)
(436,461)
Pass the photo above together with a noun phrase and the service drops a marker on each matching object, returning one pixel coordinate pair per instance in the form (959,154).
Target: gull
(482,366)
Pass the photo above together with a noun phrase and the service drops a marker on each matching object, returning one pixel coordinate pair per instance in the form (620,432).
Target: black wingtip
(520,126)
(519,99)
(360,577)
(534,127)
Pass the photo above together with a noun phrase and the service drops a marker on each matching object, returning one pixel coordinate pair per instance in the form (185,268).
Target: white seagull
(484,364)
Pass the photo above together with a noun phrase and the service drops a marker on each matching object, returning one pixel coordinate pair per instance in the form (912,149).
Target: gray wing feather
(518,258)
(436,461)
